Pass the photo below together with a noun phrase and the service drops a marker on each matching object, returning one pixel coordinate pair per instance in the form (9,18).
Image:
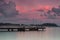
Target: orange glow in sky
(32,8)
(47,7)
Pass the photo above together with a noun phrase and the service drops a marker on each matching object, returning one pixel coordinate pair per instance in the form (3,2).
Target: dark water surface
(51,33)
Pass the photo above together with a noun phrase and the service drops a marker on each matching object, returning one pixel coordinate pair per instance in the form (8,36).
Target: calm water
(52,33)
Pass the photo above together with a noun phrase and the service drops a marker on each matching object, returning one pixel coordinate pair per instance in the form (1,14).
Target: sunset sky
(34,11)
(31,5)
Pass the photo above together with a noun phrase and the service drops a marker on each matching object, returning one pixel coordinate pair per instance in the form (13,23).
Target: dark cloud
(8,10)
(56,10)
(49,14)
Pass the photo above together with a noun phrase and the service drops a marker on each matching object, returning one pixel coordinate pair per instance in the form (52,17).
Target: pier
(23,28)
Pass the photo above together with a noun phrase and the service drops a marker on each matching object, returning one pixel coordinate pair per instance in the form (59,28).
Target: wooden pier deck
(24,28)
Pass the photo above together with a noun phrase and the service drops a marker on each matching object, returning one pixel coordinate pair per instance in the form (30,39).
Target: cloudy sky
(34,11)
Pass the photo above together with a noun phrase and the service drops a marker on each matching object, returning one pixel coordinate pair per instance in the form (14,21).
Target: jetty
(18,27)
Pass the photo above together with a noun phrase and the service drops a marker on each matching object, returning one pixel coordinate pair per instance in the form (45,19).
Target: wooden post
(8,30)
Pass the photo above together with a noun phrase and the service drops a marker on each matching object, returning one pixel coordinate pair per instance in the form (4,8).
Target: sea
(50,33)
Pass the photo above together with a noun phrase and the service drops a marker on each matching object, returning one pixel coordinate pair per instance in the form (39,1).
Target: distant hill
(50,24)
(9,24)
(44,24)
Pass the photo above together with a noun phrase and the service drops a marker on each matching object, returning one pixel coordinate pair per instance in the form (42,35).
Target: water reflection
(52,33)
(8,36)
(49,34)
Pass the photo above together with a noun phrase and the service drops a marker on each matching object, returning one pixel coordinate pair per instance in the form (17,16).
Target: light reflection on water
(52,33)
